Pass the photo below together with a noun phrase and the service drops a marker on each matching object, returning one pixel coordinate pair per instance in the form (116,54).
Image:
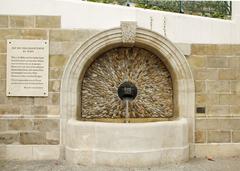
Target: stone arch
(128,35)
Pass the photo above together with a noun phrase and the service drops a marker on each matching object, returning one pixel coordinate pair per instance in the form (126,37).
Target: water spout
(127,113)
(127,92)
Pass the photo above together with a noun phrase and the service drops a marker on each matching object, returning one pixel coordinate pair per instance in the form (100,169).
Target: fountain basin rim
(127,145)
(167,122)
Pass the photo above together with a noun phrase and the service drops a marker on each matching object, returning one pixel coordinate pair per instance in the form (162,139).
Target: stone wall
(216,70)
(35,120)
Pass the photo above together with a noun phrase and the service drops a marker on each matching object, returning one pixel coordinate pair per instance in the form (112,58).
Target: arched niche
(128,35)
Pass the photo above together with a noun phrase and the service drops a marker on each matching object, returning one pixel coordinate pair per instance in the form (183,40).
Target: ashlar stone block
(33,138)
(21,21)
(217,62)
(20,124)
(3,58)
(3,47)
(200,136)
(45,125)
(57,61)
(9,138)
(200,86)
(219,136)
(197,61)
(9,109)
(227,74)
(236,136)
(221,86)
(48,21)
(218,110)
(3,21)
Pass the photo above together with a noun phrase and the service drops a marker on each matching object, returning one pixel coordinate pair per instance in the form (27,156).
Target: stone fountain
(133,75)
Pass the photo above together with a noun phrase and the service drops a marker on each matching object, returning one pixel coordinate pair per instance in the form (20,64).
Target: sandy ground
(219,164)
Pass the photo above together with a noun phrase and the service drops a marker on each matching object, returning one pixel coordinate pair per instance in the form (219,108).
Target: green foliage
(215,9)
(119,2)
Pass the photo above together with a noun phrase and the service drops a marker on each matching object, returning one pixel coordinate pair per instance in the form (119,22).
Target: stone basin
(127,144)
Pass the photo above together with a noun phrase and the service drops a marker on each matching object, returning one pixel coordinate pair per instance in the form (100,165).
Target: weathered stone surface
(54,85)
(53,137)
(219,136)
(33,138)
(201,99)
(200,86)
(3,58)
(63,47)
(9,109)
(26,109)
(218,86)
(218,124)
(39,110)
(128,32)
(57,61)
(53,110)
(235,86)
(235,109)
(229,99)
(227,74)
(145,70)
(234,62)
(20,100)
(34,34)
(236,49)
(9,138)
(3,46)
(21,21)
(2,85)
(2,73)
(56,73)
(20,124)
(48,21)
(217,62)
(212,99)
(3,21)
(9,34)
(229,124)
(197,61)
(200,136)
(205,74)
(41,101)
(54,99)
(44,125)
(71,35)
(236,136)
(214,49)
(3,98)
(3,125)
(218,110)
(201,124)
(23,34)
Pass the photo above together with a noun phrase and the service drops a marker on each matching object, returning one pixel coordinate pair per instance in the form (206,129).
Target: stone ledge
(29,152)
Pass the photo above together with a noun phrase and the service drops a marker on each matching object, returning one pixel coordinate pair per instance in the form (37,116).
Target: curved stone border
(184,91)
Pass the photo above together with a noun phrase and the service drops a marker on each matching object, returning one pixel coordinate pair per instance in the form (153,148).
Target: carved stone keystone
(128,32)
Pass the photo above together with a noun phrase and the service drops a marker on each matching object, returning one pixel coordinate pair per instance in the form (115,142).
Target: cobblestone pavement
(219,164)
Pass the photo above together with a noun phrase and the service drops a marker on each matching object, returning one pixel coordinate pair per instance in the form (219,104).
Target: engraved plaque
(27,67)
